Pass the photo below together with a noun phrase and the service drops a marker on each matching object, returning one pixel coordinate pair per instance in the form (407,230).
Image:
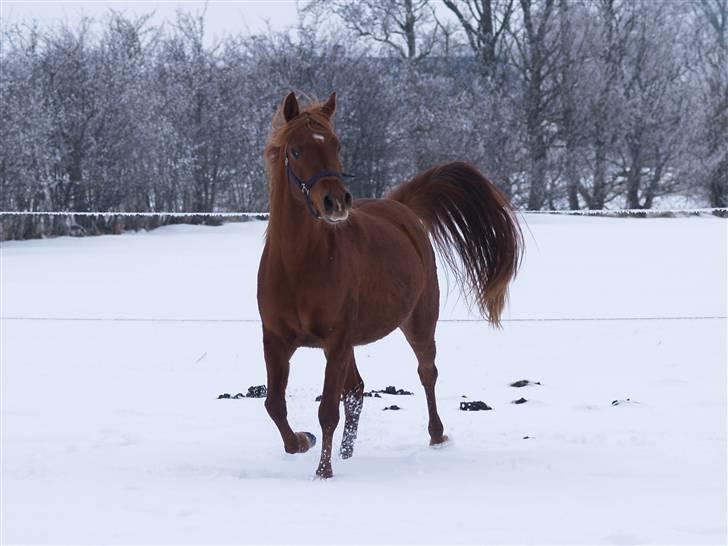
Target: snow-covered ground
(112,431)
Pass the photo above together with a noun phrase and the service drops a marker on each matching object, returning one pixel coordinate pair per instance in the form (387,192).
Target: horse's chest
(310,306)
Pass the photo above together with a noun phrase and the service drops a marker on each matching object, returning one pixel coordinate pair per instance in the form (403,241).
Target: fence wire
(583,212)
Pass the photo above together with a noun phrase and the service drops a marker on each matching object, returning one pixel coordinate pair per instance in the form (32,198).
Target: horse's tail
(468,218)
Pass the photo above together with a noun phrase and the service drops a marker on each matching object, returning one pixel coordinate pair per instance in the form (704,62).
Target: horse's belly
(370,335)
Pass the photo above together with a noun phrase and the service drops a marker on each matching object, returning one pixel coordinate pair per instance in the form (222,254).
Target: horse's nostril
(347,200)
(328,203)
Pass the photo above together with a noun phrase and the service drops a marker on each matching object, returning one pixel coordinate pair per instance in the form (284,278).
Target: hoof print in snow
(521,400)
(392,407)
(223,395)
(528,437)
(318,398)
(259,391)
(239,396)
(524,383)
(626,401)
(477,405)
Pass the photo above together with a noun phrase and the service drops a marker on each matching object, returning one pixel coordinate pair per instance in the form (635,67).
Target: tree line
(563,103)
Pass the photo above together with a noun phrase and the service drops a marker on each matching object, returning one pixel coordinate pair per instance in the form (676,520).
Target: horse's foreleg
(277,354)
(353,401)
(337,360)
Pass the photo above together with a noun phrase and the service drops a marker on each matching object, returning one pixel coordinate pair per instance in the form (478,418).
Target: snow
(112,431)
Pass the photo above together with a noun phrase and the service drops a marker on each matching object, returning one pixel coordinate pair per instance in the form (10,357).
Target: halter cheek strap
(306,185)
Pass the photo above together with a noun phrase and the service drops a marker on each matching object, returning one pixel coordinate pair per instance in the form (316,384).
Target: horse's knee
(329,416)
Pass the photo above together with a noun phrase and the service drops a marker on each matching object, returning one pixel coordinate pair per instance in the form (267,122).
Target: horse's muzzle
(336,208)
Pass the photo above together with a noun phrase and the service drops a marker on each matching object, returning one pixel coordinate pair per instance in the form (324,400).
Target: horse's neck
(298,238)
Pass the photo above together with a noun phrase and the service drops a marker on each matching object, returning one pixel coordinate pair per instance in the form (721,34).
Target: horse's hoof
(325,472)
(439,442)
(306,441)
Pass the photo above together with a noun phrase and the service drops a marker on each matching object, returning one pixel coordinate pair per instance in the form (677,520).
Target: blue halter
(306,185)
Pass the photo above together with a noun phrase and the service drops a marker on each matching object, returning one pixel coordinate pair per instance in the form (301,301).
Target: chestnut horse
(337,273)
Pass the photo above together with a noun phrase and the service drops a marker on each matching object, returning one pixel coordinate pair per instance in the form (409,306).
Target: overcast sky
(223,17)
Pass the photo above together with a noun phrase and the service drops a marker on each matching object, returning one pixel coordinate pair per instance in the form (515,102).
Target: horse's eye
(295,153)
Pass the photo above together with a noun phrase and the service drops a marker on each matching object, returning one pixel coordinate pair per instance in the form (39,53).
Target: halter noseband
(306,185)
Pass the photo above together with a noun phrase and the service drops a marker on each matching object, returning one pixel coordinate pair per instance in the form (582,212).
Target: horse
(338,272)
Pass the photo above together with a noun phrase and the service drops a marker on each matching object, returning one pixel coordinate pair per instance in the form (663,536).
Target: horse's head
(310,152)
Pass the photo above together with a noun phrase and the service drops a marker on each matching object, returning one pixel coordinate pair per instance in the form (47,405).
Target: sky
(223,17)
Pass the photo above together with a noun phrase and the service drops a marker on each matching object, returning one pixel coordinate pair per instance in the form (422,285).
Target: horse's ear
(329,106)
(290,106)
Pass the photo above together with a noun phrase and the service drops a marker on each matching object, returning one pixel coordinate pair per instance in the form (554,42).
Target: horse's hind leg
(353,401)
(277,355)
(419,329)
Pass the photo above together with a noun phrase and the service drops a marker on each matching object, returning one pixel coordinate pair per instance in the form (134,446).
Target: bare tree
(25,154)
(569,122)
(537,60)
(602,81)
(654,98)
(405,27)
(486,23)
(562,103)
(711,32)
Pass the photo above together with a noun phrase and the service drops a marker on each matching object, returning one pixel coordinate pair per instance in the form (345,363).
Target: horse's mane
(312,117)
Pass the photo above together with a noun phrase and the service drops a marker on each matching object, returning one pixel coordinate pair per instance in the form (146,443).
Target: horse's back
(392,213)
(388,221)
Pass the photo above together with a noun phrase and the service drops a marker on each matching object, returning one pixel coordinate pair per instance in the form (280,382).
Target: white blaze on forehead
(318,137)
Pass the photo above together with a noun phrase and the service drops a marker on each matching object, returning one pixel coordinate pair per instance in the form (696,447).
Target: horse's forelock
(281,131)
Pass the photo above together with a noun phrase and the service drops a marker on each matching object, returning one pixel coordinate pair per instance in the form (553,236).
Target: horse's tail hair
(468,218)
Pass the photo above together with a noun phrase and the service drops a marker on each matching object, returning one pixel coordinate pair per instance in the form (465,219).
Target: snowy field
(112,431)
